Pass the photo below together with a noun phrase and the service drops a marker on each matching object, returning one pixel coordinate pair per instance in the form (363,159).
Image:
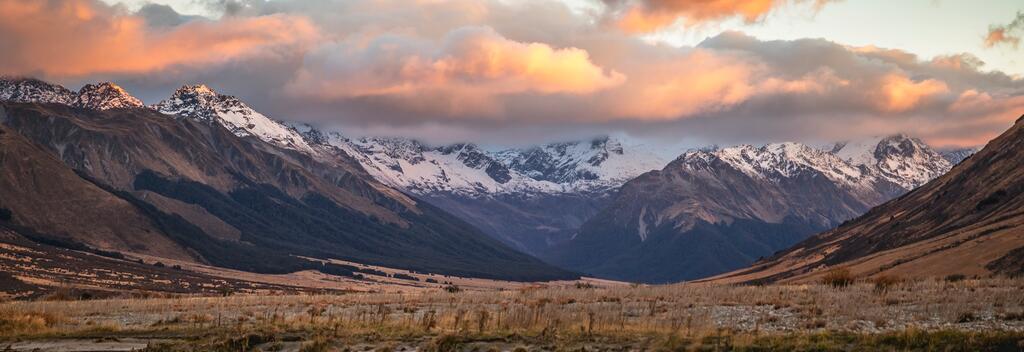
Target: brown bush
(885,283)
(838,278)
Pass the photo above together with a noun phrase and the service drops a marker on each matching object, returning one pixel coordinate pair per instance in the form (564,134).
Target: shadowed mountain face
(713,211)
(529,198)
(968,221)
(135,180)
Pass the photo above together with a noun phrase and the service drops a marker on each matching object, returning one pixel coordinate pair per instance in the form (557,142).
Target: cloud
(644,16)
(512,72)
(83,37)
(1006,34)
(899,93)
(468,68)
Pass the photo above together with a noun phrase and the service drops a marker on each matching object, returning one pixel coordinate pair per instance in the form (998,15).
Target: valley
(511,176)
(215,178)
(971,314)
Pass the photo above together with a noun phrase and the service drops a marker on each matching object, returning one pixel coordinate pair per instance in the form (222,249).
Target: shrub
(405,277)
(26,323)
(5,214)
(838,278)
(955,277)
(885,282)
(444,343)
(452,289)
(966,317)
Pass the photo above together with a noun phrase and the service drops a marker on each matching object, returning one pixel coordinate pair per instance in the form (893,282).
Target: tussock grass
(684,315)
(838,278)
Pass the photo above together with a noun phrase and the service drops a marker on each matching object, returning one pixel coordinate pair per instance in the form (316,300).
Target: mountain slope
(969,221)
(265,203)
(527,198)
(201,103)
(38,191)
(708,212)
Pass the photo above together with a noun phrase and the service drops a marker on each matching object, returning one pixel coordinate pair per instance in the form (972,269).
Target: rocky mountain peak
(105,95)
(199,89)
(777,161)
(202,103)
(30,90)
(193,101)
(899,158)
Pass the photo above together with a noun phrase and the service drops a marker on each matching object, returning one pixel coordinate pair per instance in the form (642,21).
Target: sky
(521,72)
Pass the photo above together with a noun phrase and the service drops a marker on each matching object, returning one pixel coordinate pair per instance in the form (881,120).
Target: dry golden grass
(688,310)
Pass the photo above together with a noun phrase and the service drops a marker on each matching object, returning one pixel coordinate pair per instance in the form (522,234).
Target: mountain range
(967,222)
(529,198)
(711,211)
(204,165)
(218,184)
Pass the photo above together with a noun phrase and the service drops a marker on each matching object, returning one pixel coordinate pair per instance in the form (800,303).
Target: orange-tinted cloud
(1007,34)
(495,66)
(998,36)
(81,37)
(698,82)
(471,66)
(644,16)
(899,93)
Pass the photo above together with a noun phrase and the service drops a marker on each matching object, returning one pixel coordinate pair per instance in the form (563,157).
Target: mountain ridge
(279,203)
(537,199)
(715,210)
(965,222)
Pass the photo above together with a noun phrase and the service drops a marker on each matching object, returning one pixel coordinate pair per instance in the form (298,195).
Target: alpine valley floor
(934,314)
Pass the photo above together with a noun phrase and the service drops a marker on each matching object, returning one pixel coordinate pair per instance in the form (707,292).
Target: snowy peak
(899,158)
(99,96)
(104,96)
(415,167)
(198,102)
(585,166)
(473,157)
(955,156)
(30,90)
(603,160)
(778,161)
(201,103)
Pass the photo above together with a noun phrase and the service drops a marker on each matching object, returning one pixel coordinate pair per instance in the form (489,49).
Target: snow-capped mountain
(104,96)
(603,162)
(202,103)
(462,169)
(900,159)
(966,221)
(955,156)
(717,209)
(529,198)
(99,96)
(113,180)
(781,160)
(30,90)
(468,170)
(538,196)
